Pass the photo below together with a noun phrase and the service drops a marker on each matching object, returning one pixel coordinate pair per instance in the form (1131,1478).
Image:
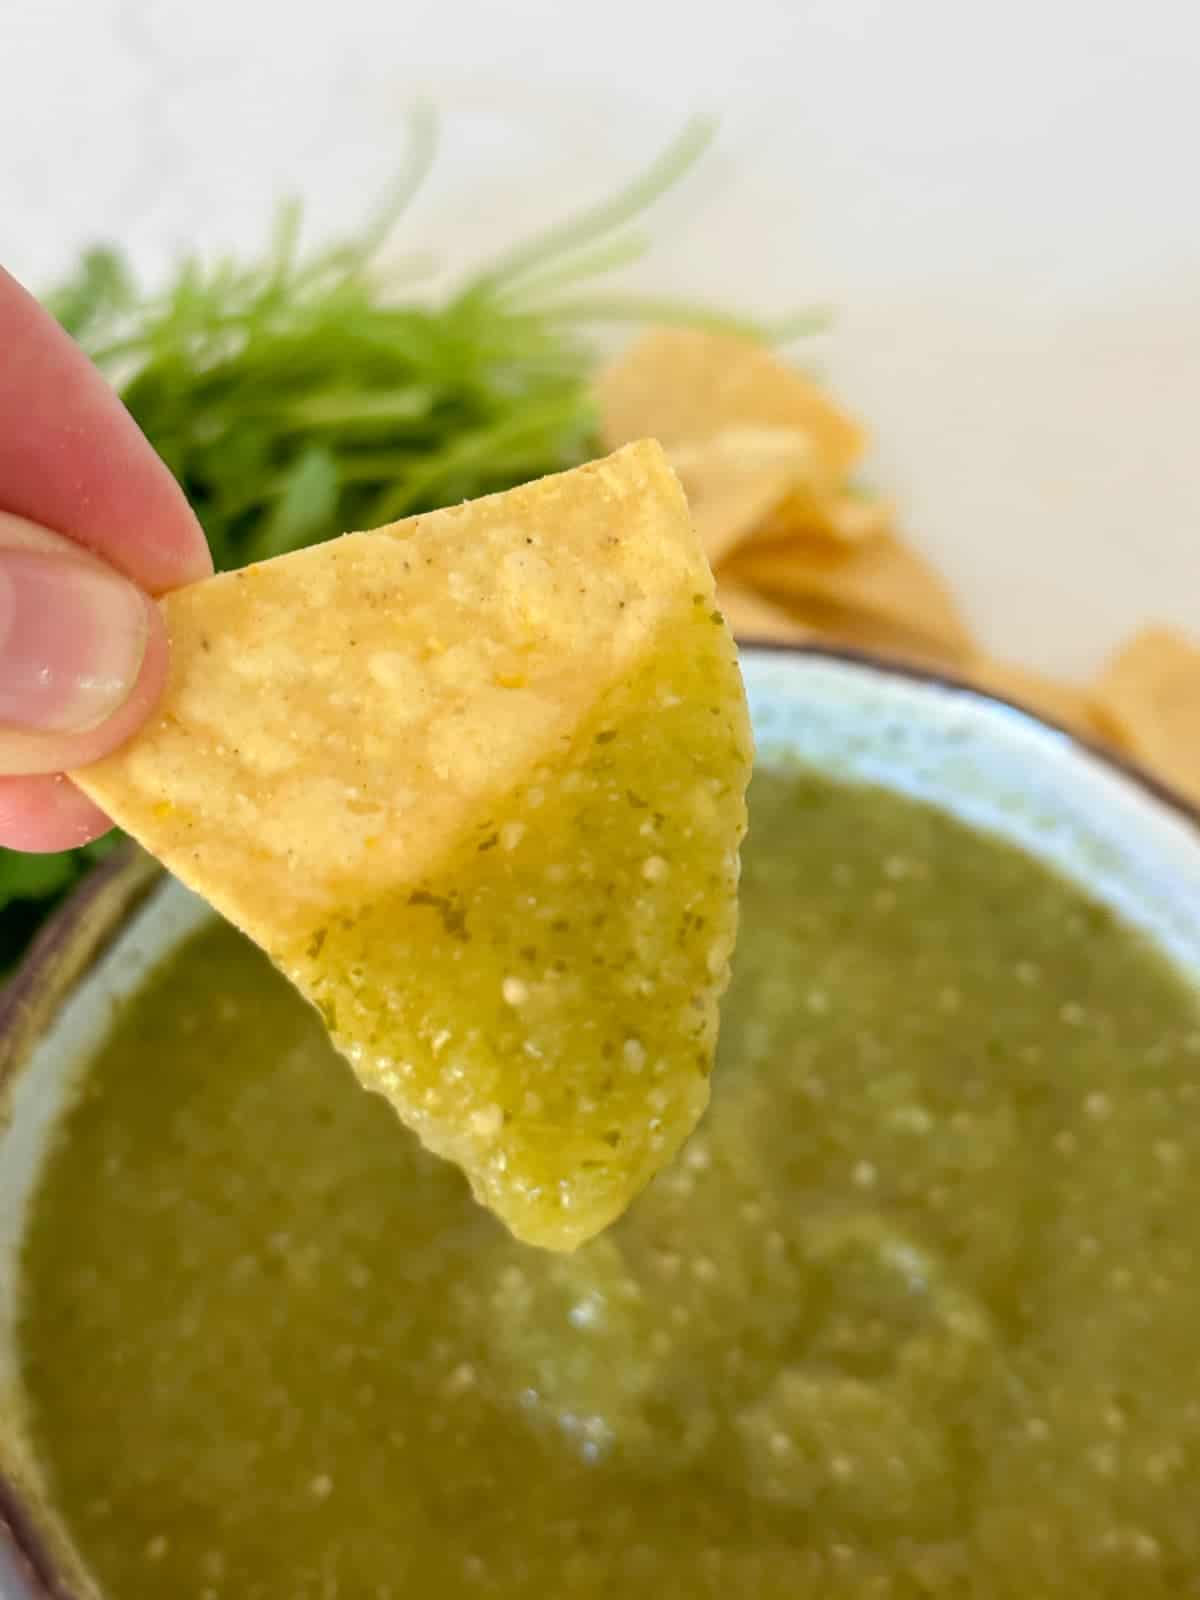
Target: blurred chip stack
(802,552)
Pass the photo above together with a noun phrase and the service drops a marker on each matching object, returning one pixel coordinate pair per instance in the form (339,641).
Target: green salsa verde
(542,1010)
(913,1313)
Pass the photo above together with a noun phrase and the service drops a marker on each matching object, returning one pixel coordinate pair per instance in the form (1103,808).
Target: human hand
(91,526)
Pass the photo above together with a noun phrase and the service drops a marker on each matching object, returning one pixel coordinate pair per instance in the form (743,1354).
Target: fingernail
(72,639)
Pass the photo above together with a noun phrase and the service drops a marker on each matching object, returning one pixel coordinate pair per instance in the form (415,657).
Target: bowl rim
(114,889)
(1126,766)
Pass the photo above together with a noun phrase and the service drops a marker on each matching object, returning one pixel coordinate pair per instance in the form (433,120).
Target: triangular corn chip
(683,385)
(882,580)
(1148,698)
(476,782)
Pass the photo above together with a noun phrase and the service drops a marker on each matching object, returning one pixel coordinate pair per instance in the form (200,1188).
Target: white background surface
(999,198)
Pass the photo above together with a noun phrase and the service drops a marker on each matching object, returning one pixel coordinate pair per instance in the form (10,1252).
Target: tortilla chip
(683,385)
(845,629)
(737,478)
(883,580)
(1148,698)
(1061,703)
(476,782)
(753,618)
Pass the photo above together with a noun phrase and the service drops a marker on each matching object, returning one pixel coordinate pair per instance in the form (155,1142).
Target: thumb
(82,653)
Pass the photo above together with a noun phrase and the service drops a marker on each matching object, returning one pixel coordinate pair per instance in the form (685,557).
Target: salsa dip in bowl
(913,1313)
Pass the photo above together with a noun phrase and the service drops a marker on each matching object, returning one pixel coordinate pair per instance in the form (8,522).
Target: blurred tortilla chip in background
(880,580)
(683,385)
(750,616)
(736,480)
(843,514)
(1148,700)
(803,553)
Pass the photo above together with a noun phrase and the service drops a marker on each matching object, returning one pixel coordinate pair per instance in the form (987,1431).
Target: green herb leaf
(101,289)
(35,877)
(303,509)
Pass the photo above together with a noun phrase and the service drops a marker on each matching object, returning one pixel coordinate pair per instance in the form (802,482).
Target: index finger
(73,459)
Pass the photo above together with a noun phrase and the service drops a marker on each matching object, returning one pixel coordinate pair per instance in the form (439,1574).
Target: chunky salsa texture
(913,1313)
(543,1006)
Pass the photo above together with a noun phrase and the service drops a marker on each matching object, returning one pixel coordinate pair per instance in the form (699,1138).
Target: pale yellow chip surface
(476,781)
(1148,698)
(683,385)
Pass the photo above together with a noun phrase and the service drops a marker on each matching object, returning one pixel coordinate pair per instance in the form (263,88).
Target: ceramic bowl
(1101,824)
